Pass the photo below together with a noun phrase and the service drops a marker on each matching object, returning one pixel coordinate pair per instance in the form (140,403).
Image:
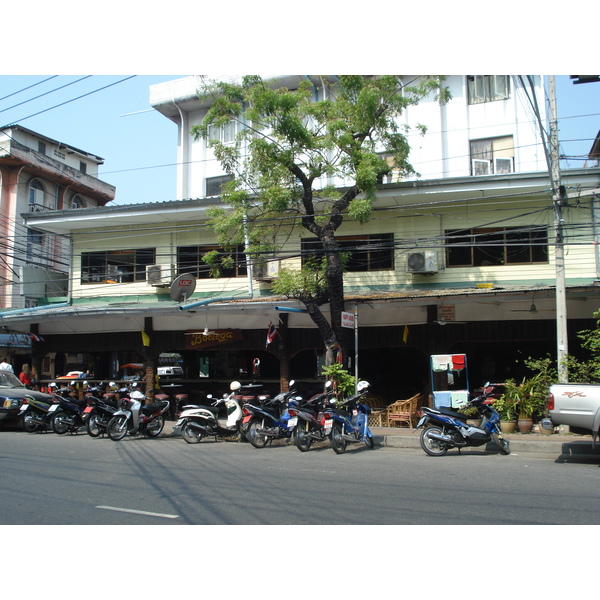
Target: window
(492,156)
(494,247)
(117,266)
(82,166)
(38,199)
(488,88)
(77,202)
(224,134)
(366,252)
(231,261)
(41,147)
(214,185)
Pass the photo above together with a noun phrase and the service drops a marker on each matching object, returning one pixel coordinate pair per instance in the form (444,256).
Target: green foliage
(344,382)
(529,397)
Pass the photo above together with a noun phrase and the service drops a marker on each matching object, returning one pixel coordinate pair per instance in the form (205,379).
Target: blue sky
(110,116)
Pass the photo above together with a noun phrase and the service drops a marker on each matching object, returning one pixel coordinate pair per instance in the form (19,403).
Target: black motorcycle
(445,428)
(69,415)
(99,412)
(36,413)
(311,419)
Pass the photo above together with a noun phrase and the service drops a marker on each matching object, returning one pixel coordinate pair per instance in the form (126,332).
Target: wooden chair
(403,411)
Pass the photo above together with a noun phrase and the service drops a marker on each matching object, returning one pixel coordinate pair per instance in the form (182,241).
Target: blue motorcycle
(351,421)
(268,421)
(445,428)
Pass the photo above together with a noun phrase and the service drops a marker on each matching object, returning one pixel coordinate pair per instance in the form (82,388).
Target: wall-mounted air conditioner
(158,275)
(266,271)
(422,261)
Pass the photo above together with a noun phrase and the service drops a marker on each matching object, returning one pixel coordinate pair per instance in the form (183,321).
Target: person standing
(25,376)
(6,366)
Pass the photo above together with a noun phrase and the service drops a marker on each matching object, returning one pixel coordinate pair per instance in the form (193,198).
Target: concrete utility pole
(558,201)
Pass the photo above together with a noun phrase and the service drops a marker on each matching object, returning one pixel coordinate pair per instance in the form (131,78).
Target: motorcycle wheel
(432,447)
(91,426)
(336,441)
(301,439)
(155,428)
(256,439)
(59,423)
(369,442)
(501,443)
(190,434)
(27,423)
(117,428)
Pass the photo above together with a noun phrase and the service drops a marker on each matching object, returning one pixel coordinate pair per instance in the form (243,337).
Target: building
(460,260)
(39,175)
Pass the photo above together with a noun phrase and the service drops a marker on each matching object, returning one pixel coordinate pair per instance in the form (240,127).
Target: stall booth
(449,380)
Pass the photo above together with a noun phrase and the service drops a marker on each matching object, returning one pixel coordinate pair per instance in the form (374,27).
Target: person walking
(6,366)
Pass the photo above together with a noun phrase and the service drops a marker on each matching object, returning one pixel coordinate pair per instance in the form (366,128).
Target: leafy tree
(288,147)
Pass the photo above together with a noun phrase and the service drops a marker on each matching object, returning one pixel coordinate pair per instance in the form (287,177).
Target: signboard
(446,312)
(197,340)
(348,320)
(15,340)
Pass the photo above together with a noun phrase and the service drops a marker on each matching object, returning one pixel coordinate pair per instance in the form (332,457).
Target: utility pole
(558,201)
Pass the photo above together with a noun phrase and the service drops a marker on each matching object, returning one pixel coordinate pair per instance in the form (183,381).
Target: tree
(288,147)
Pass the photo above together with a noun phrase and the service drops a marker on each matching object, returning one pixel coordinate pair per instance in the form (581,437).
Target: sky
(110,116)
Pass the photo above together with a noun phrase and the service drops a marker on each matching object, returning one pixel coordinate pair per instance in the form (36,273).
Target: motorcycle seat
(342,413)
(153,407)
(452,413)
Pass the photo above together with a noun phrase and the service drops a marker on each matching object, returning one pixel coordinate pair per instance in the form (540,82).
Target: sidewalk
(558,445)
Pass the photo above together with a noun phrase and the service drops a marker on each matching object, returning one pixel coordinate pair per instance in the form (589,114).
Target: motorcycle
(445,428)
(198,421)
(36,413)
(99,412)
(263,423)
(68,414)
(133,417)
(311,420)
(351,421)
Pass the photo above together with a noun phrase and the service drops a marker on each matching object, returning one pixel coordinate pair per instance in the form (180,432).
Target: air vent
(158,275)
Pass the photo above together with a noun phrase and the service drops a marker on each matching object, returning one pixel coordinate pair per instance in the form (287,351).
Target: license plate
(328,425)
(292,422)
(53,408)
(88,409)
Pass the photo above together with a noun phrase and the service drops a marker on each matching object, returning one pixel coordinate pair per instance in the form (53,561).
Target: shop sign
(348,320)
(195,340)
(15,340)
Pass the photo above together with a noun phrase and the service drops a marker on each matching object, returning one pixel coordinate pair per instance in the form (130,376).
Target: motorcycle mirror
(328,384)
(362,385)
(291,383)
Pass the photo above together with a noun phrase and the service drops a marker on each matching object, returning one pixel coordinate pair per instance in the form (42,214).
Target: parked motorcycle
(445,428)
(68,415)
(36,413)
(311,420)
(99,412)
(134,417)
(268,421)
(351,421)
(198,421)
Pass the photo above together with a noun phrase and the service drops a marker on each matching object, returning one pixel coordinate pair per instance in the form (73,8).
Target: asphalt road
(77,480)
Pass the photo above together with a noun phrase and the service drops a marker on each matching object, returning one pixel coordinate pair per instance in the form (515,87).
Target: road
(77,480)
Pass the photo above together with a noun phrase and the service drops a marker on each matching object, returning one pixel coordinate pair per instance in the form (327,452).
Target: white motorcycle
(198,421)
(134,417)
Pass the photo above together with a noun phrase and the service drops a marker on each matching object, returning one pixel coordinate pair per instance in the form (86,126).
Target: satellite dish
(182,287)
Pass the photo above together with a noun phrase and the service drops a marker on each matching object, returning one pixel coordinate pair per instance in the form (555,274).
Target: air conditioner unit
(266,271)
(158,275)
(422,261)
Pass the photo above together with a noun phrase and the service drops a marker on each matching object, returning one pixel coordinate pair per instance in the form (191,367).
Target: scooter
(36,413)
(351,421)
(445,428)
(263,423)
(198,421)
(312,420)
(133,417)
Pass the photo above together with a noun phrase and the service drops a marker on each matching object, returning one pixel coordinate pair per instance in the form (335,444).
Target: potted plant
(505,407)
(528,397)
